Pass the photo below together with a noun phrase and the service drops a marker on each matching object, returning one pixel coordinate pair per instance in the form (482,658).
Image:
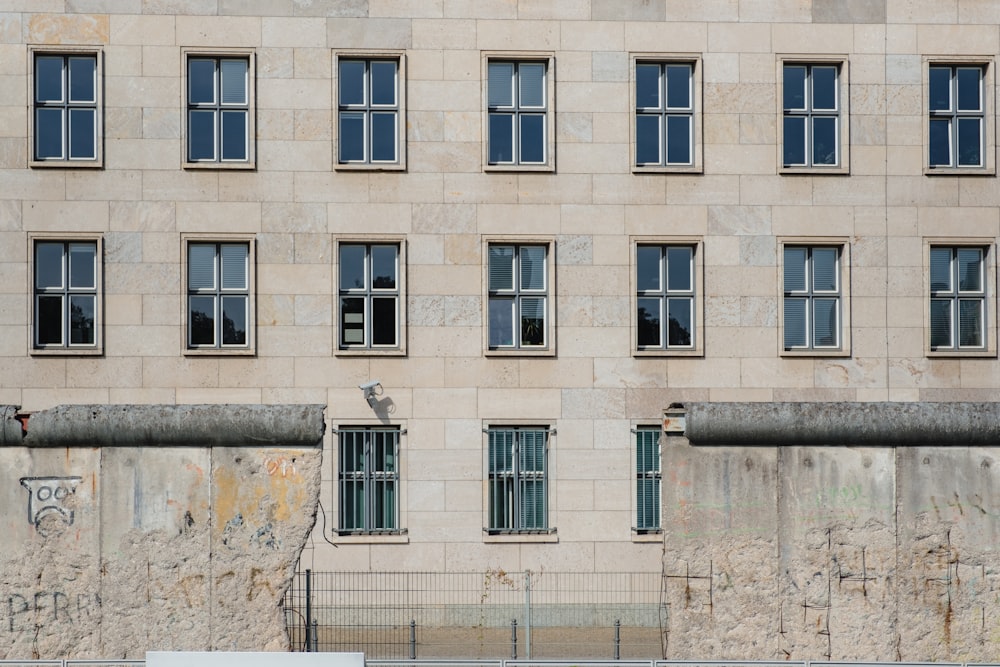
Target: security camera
(369,386)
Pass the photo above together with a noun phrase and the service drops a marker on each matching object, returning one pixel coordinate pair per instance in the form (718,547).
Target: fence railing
(477,615)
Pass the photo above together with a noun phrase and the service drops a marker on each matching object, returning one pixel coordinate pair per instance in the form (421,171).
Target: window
(219,122)
(518,108)
(812,308)
(665,128)
(218,301)
(369,99)
(369,296)
(958,298)
(368,480)
(956,108)
(66,306)
(811,123)
(518,480)
(518,301)
(647,479)
(665,297)
(66,109)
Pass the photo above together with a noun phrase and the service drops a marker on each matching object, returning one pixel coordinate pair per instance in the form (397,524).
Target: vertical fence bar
(309,623)
(413,639)
(513,639)
(527,613)
(618,639)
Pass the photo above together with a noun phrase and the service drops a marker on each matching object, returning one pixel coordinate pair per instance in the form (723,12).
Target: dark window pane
(795,141)
(940,142)
(941,269)
(647,139)
(49,320)
(352,82)
(501,139)
(969,89)
(352,321)
(532,143)
(352,137)
(49,79)
(352,267)
(824,140)
(941,323)
(384,266)
(647,260)
(48,133)
(501,312)
(384,321)
(794,87)
(970,322)
(82,75)
(939,83)
(82,134)
(678,86)
(201,320)
(648,320)
(81,320)
(82,265)
(234,320)
(383,74)
(234,81)
(970,274)
(970,142)
(795,323)
(234,135)
(647,86)
(824,88)
(678,139)
(679,325)
(48,265)
(201,135)
(201,81)
(825,322)
(532,321)
(383,137)
(679,269)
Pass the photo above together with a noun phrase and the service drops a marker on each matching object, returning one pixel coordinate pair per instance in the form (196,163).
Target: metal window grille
(647,479)
(518,480)
(369,480)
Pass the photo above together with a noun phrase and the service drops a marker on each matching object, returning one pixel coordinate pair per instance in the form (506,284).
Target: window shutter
(201,266)
(970,261)
(824,269)
(940,269)
(825,323)
(941,323)
(500,85)
(532,267)
(531,79)
(501,267)
(234,266)
(234,81)
(795,323)
(970,322)
(795,269)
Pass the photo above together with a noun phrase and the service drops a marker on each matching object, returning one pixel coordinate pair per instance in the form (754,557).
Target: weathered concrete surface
(113,551)
(817,552)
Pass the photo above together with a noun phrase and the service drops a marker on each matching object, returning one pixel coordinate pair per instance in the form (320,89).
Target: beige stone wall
(445,205)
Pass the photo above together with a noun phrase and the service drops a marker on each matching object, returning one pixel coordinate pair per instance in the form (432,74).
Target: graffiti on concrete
(30,611)
(47,496)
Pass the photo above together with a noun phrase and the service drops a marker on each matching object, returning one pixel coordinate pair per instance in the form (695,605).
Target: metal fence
(476,615)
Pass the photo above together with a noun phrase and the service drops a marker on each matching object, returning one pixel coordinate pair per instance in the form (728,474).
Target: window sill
(66,352)
(220,166)
(350,166)
(219,352)
(815,353)
(524,538)
(372,538)
(637,169)
(814,171)
(369,352)
(959,171)
(66,164)
(647,537)
(961,354)
(519,168)
(667,353)
(520,353)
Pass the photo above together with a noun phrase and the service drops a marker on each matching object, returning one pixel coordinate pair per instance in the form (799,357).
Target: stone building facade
(498,239)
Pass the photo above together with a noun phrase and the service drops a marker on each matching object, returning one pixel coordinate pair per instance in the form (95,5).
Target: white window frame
(219,108)
(96,105)
(987,295)
(217,348)
(693,112)
(639,475)
(985,115)
(841,113)
(516,110)
(367,164)
(66,291)
(516,293)
(696,294)
(842,294)
(546,534)
(367,292)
